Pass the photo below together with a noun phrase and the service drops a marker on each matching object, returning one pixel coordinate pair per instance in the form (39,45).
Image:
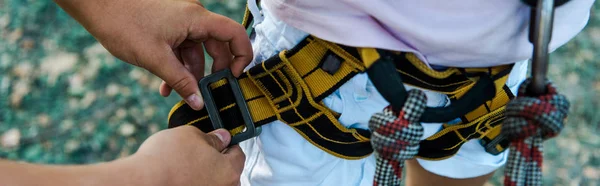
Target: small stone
(27,44)
(153,128)
(562,173)
(67,124)
(5,84)
(89,127)
(155,83)
(131,141)
(20,89)
(573,78)
(11,138)
(112,144)
(76,84)
(126,129)
(5,60)
(574,147)
(73,103)
(121,113)
(4,20)
(47,145)
(71,146)
(136,74)
(134,111)
(23,69)
(15,35)
(575,182)
(546,166)
(88,99)
(594,32)
(144,80)
(591,173)
(124,153)
(112,90)
(43,120)
(97,55)
(125,91)
(149,111)
(57,64)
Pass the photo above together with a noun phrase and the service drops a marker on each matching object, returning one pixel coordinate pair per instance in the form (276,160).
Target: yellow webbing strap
(289,87)
(482,123)
(247,17)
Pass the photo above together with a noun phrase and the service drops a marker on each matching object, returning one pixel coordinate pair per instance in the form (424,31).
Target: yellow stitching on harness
(246,20)
(204,117)
(218,83)
(330,151)
(287,91)
(465,125)
(316,105)
(237,130)
(175,107)
(284,59)
(425,69)
(446,85)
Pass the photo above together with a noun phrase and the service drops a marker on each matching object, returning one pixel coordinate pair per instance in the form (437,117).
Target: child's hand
(186,156)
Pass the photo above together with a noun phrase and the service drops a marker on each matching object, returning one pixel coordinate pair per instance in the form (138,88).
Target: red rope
(395,138)
(529,121)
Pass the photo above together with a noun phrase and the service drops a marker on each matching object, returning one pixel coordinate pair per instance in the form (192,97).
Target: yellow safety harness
(289,87)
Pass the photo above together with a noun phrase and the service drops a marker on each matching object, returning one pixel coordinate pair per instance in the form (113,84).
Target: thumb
(164,64)
(219,139)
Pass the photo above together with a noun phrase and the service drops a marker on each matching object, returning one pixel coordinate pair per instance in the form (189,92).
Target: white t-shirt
(474,33)
(458,33)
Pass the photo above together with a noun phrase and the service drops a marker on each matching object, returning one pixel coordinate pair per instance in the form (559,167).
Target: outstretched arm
(119,172)
(173,157)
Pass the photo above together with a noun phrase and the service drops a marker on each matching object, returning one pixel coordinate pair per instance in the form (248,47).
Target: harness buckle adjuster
(213,111)
(490,147)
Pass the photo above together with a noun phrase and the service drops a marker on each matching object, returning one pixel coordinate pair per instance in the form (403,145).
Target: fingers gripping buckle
(213,111)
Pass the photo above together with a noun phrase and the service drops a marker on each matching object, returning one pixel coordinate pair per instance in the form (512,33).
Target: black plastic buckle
(213,112)
(491,146)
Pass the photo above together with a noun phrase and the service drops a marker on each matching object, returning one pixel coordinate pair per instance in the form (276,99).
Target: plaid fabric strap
(396,138)
(529,121)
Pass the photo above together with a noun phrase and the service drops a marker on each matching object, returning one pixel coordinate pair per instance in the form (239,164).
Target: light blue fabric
(280,156)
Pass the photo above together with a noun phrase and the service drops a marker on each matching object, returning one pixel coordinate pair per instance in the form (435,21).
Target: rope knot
(542,116)
(530,120)
(396,137)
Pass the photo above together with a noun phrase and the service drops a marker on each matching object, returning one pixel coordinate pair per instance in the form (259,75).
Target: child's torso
(459,33)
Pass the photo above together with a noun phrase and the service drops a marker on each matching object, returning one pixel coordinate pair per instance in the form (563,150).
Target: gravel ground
(65,100)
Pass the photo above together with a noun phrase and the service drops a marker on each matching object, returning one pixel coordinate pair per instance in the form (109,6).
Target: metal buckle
(213,112)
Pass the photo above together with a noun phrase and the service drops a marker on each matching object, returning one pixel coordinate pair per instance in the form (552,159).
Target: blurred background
(65,100)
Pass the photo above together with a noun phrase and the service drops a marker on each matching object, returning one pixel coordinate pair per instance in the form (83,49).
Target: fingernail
(195,101)
(220,136)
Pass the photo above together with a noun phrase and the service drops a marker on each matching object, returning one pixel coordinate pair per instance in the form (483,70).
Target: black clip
(490,147)
(213,112)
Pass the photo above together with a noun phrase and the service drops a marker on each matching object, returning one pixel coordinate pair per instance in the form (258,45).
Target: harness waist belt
(290,86)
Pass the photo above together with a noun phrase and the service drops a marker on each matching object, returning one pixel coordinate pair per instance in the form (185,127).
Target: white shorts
(280,156)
